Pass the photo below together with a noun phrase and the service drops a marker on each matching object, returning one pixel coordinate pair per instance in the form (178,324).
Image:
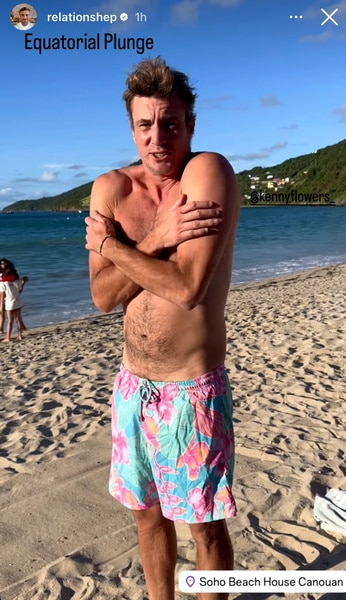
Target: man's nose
(157,135)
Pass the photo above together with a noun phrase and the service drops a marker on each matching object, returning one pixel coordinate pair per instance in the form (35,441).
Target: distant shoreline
(27,212)
(259,205)
(278,204)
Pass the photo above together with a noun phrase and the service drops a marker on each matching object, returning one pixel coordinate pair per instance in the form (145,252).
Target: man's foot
(6,340)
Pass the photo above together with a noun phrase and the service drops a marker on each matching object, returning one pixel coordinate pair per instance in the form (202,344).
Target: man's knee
(149,519)
(209,533)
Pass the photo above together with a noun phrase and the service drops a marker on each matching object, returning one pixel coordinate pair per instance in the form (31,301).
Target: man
(24,19)
(161,237)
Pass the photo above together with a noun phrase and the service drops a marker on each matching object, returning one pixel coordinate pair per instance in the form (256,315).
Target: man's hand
(172,226)
(185,221)
(98,227)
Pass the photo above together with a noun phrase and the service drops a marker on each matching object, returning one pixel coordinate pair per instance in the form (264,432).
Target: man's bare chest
(136,216)
(135,219)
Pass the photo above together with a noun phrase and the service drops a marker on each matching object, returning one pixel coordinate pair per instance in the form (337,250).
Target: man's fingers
(205,204)
(190,234)
(203,215)
(198,224)
(97,216)
(94,216)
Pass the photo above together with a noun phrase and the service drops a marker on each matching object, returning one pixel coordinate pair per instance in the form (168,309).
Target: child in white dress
(11,287)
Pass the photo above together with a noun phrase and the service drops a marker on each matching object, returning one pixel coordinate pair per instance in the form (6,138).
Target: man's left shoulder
(204,162)
(209,176)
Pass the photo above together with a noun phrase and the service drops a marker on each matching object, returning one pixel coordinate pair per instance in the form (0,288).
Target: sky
(270,79)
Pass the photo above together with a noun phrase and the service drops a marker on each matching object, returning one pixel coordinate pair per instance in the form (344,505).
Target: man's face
(161,134)
(24,17)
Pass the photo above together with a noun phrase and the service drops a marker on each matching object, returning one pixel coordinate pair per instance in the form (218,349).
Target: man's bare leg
(214,551)
(158,550)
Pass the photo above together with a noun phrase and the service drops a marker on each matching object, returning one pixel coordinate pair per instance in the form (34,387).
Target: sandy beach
(62,535)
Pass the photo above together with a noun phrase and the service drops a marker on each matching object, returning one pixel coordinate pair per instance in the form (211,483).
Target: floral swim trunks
(173,444)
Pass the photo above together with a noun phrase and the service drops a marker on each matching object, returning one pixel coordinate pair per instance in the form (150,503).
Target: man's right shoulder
(110,189)
(116,180)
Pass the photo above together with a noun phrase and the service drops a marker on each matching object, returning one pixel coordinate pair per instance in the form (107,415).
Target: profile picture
(23,16)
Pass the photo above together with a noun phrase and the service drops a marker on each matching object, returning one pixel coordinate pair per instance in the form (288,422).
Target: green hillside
(322,172)
(73,200)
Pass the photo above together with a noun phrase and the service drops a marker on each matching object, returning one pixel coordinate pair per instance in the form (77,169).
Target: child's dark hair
(10,269)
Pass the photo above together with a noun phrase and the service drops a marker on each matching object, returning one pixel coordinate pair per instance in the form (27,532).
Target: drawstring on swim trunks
(145,390)
(146,393)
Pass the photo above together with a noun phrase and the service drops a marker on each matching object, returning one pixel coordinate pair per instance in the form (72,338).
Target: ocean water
(271,241)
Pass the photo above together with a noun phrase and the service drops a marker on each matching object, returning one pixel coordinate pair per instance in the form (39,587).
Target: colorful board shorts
(173,444)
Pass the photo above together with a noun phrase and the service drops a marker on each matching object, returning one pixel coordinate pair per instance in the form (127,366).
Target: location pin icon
(190,580)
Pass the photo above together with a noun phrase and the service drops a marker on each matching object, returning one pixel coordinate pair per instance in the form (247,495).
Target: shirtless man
(161,237)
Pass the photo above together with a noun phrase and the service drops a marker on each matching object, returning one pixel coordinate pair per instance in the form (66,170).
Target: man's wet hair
(154,78)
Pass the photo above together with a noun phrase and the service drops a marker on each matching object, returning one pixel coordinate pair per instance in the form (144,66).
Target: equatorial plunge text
(107,41)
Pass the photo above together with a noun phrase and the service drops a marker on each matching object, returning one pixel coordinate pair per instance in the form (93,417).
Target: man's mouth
(159,155)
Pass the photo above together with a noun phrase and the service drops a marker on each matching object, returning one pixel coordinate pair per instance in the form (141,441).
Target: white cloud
(263,153)
(319,38)
(277,146)
(56,166)
(248,157)
(215,102)
(7,191)
(186,11)
(269,101)
(48,176)
(118,6)
(224,3)
(81,174)
(341,112)
(64,166)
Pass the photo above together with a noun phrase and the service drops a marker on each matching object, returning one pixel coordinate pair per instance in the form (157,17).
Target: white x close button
(329,16)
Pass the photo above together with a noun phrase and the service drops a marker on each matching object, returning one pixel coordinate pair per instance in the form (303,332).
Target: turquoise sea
(49,249)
